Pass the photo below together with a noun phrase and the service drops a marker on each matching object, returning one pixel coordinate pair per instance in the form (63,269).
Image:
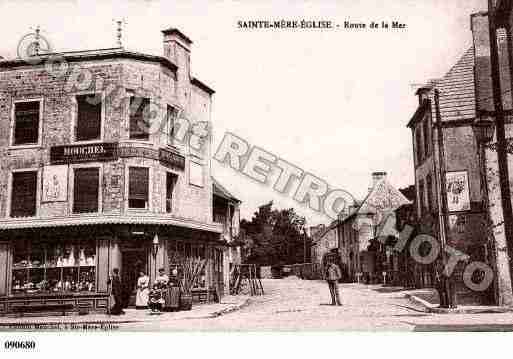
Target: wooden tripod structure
(245,275)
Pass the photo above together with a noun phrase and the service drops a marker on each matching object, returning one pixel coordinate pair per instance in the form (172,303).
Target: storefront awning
(29,223)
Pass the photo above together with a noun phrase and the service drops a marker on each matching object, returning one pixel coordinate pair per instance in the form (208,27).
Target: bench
(42,308)
(203,295)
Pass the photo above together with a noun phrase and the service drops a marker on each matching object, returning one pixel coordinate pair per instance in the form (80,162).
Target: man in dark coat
(333,274)
(117,293)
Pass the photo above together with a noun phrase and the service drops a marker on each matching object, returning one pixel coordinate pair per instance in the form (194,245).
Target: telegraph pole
(502,154)
(450,295)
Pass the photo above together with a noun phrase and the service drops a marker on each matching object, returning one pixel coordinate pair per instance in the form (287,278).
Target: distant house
(353,238)
(324,240)
(360,231)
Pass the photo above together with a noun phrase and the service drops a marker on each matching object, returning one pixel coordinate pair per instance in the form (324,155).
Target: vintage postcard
(225,166)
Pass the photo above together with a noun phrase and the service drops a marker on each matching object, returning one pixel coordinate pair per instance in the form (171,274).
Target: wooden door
(133,262)
(218,273)
(4,268)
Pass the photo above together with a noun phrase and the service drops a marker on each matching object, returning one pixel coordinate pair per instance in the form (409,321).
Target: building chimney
(483,67)
(177,49)
(423,93)
(377,176)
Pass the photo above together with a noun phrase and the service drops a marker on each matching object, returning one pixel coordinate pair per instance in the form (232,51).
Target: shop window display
(53,267)
(186,250)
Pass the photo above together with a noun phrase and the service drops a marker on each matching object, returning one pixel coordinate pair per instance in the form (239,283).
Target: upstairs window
(89,118)
(422,204)
(26,123)
(196,174)
(427,138)
(429,185)
(139,121)
(170,186)
(24,194)
(418,145)
(138,184)
(171,115)
(86,190)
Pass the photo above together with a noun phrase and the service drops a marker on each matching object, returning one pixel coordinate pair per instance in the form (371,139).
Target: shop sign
(55,183)
(84,153)
(458,194)
(171,159)
(142,152)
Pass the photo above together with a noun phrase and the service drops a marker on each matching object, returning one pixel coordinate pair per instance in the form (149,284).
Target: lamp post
(154,251)
(484,129)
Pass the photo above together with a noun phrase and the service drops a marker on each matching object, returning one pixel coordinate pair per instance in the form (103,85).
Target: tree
(274,236)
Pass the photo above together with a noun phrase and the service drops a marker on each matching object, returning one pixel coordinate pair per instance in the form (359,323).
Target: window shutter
(89,118)
(138,126)
(85,190)
(171,121)
(26,127)
(138,183)
(170,184)
(24,189)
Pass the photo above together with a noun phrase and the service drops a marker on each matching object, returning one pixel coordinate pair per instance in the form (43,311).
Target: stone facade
(466,229)
(183,224)
(59,109)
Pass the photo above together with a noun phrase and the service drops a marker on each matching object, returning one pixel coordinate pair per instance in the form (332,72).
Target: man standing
(117,293)
(333,274)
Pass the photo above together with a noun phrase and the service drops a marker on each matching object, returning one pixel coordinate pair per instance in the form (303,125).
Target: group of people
(145,297)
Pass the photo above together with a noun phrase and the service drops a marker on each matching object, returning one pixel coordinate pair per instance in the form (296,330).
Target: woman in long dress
(141,299)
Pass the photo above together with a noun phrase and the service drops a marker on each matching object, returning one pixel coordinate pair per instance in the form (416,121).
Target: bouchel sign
(83,153)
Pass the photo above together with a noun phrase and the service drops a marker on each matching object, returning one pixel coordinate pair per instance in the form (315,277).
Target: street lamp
(155,247)
(484,129)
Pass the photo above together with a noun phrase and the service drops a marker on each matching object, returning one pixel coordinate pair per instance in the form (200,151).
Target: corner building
(85,188)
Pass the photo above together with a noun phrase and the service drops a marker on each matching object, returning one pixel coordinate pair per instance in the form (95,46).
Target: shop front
(68,268)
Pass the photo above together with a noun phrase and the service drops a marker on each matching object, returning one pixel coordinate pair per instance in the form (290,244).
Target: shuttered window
(23,197)
(170,185)
(418,146)
(138,184)
(139,125)
(89,118)
(26,124)
(429,184)
(86,189)
(422,197)
(172,113)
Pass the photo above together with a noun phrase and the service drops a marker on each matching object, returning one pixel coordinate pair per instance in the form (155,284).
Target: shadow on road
(389,289)
(462,327)
(411,308)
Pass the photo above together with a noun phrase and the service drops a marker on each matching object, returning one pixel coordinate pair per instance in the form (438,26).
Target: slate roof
(457,90)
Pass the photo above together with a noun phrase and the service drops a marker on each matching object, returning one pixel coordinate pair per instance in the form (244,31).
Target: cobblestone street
(291,304)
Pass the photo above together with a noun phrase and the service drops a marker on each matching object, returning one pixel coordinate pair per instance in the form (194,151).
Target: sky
(333,102)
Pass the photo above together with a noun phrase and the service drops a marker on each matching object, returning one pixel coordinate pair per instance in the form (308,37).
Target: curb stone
(109,321)
(230,309)
(433,308)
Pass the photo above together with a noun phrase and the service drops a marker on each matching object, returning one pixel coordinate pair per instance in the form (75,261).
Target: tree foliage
(274,236)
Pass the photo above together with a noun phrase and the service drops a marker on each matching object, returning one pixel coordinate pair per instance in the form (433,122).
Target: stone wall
(119,78)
